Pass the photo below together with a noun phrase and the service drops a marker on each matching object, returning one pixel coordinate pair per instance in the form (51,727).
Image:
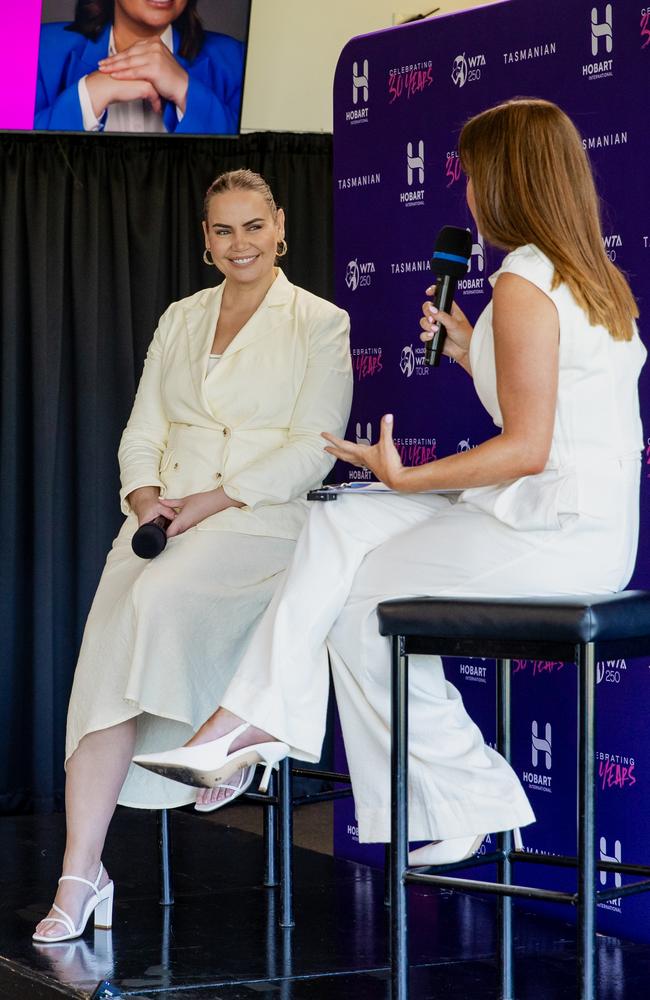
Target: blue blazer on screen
(213,97)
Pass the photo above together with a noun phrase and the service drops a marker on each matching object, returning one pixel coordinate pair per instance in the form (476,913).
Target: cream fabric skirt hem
(164,638)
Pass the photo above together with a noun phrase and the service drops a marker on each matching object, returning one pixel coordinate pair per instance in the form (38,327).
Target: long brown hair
(533,184)
(91,16)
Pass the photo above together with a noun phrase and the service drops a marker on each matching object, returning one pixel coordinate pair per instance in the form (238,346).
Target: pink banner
(19,31)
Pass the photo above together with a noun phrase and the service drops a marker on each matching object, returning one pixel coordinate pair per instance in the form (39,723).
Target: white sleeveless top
(597,420)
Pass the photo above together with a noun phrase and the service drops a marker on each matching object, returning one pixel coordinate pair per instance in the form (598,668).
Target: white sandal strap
(65,919)
(85,881)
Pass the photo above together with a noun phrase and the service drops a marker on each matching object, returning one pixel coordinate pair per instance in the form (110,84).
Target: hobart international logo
(614,857)
(541,758)
(602,44)
(467,69)
(414,174)
(472,671)
(415,163)
(358,115)
(601,30)
(360,88)
(359,275)
(474,283)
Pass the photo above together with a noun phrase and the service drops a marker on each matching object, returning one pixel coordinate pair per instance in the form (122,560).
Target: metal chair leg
(504,840)
(165,848)
(586,668)
(270,821)
(286,844)
(399,821)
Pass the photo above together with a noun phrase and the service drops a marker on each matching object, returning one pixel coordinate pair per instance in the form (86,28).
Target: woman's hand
(152,61)
(103,91)
(458,327)
(382,458)
(146,505)
(189,511)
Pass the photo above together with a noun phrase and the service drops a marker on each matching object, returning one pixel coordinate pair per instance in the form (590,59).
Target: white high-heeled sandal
(247,775)
(209,764)
(100,903)
(450,852)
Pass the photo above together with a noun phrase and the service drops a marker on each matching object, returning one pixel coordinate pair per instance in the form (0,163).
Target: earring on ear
(281,248)
(208,260)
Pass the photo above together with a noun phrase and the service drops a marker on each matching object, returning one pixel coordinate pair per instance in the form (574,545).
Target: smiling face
(153,14)
(243,236)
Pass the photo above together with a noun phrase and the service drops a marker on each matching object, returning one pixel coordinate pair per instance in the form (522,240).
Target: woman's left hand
(150,60)
(193,509)
(382,458)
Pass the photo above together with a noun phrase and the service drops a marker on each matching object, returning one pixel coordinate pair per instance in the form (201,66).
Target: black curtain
(97,236)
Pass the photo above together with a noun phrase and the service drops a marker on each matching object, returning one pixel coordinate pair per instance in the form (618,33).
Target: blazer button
(175,466)
(226,432)
(218,476)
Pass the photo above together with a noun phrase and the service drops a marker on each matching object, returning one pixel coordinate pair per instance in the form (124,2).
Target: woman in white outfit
(549,506)
(224,441)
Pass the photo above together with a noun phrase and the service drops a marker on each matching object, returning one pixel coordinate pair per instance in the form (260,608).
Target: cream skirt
(163,639)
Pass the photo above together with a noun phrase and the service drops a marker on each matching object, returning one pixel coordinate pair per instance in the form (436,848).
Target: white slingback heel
(100,903)
(209,764)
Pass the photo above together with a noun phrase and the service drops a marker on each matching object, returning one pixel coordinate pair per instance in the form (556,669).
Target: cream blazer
(253,424)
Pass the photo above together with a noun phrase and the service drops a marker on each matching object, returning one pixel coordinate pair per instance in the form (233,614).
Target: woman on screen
(224,440)
(549,506)
(138,66)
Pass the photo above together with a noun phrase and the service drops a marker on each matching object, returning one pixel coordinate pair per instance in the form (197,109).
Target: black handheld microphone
(450,261)
(150,539)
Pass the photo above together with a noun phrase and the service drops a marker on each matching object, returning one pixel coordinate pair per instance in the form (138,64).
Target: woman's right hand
(145,504)
(104,90)
(459,329)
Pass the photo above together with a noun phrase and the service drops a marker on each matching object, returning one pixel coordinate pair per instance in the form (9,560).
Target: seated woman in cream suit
(548,506)
(224,439)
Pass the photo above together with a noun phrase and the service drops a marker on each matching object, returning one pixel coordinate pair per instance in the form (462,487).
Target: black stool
(278,805)
(579,630)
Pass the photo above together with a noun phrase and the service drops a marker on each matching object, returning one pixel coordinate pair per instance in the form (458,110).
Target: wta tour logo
(360,93)
(602,44)
(541,758)
(414,175)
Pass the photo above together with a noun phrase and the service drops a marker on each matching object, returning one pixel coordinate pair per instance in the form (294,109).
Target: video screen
(126,66)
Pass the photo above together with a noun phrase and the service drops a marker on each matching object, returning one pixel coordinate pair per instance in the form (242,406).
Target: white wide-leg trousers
(354,553)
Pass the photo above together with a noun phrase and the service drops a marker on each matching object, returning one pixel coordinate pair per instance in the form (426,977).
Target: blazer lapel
(200,325)
(271,313)
(93,51)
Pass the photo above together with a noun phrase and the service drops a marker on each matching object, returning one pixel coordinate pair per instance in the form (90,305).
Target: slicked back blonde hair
(533,184)
(240,180)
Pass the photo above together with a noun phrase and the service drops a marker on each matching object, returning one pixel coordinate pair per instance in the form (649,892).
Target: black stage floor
(220,941)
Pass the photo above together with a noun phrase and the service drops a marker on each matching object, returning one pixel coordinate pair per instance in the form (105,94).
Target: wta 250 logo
(359,275)
(467,69)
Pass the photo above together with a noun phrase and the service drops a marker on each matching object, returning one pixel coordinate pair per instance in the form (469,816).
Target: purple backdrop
(400,98)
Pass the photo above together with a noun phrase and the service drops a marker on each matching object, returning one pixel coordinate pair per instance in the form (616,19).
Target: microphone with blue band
(450,261)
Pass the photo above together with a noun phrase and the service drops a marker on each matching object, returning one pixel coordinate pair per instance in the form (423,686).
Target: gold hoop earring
(281,248)
(209,261)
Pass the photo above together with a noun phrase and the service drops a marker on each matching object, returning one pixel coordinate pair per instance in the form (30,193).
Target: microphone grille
(452,251)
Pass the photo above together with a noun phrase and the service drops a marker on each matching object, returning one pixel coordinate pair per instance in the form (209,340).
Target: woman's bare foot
(218,725)
(71,897)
